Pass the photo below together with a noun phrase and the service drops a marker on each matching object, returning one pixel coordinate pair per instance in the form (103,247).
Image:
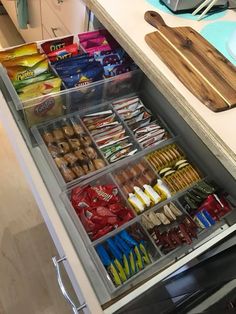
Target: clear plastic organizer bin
(161,233)
(53,105)
(44,108)
(95,151)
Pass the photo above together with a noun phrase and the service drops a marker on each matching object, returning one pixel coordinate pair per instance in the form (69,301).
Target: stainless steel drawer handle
(54,29)
(56,263)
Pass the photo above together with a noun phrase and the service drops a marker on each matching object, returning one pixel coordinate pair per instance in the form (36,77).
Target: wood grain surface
(193,56)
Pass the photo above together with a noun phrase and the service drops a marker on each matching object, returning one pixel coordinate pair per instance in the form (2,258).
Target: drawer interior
(191,143)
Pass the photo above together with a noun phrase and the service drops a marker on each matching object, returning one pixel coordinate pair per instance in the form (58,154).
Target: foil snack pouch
(25,61)
(21,73)
(24,50)
(56,44)
(39,89)
(39,78)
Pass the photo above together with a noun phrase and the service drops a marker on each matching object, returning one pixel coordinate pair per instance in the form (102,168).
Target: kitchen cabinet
(34,30)
(86,279)
(50,18)
(70,16)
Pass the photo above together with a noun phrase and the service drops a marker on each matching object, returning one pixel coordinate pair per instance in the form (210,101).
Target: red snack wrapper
(99,209)
(216,206)
(64,53)
(56,44)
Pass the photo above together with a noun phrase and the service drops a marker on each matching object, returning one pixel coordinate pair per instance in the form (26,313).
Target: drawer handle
(60,1)
(54,29)
(56,263)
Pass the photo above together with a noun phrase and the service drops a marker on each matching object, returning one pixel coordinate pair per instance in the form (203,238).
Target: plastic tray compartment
(52,105)
(147,128)
(178,170)
(103,115)
(125,258)
(170,227)
(98,207)
(66,144)
(93,94)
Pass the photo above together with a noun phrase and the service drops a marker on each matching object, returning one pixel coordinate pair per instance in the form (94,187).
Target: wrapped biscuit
(23,50)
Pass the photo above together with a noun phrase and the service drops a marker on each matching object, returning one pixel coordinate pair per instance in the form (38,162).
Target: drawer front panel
(51,23)
(72,13)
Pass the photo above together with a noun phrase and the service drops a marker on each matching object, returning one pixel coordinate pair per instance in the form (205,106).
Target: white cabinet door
(34,30)
(72,14)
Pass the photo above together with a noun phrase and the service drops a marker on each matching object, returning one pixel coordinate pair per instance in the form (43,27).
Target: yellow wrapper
(159,191)
(25,61)
(136,203)
(24,50)
(39,89)
(21,73)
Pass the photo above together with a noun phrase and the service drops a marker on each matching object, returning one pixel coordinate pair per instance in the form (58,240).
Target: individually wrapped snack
(125,152)
(39,89)
(110,138)
(111,149)
(23,50)
(73,67)
(152,194)
(136,203)
(89,75)
(142,196)
(25,61)
(22,73)
(63,53)
(39,78)
(56,44)
(117,69)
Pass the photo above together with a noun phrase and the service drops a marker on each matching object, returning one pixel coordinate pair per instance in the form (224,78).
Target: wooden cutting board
(197,64)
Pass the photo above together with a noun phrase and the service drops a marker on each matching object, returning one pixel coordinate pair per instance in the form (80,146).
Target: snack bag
(89,75)
(56,44)
(39,89)
(25,61)
(24,50)
(39,78)
(21,73)
(64,53)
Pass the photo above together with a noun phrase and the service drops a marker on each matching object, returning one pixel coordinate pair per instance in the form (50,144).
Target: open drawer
(95,292)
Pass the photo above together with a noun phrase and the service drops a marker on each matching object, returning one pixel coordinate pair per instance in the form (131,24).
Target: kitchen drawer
(72,14)
(62,227)
(52,24)
(46,35)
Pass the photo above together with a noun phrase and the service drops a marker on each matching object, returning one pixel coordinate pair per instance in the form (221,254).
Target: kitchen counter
(125,20)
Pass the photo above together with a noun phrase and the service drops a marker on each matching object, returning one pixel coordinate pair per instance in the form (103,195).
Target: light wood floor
(27,278)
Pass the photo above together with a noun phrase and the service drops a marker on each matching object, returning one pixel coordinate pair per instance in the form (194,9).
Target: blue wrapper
(83,56)
(203,220)
(208,217)
(76,67)
(89,75)
(117,69)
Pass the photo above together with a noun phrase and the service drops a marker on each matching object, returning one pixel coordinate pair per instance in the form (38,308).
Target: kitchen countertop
(125,20)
